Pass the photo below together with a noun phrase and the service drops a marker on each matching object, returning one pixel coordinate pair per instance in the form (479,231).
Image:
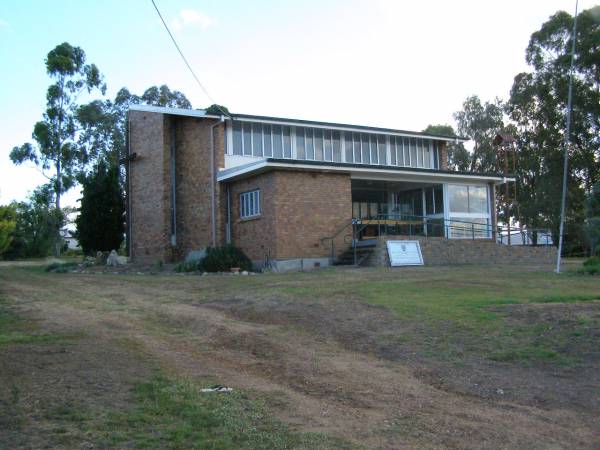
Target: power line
(187,63)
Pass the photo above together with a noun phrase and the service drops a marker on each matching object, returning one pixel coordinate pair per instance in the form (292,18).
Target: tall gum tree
(56,148)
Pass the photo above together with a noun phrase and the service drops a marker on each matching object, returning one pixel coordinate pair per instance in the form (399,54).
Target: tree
(100,224)
(55,135)
(458,156)
(537,107)
(8,223)
(36,222)
(480,122)
(104,122)
(592,221)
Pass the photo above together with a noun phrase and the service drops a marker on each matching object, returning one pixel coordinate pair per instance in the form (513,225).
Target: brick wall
(150,174)
(443,155)
(440,251)
(298,210)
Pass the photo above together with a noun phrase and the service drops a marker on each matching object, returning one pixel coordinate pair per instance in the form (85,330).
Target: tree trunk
(57,237)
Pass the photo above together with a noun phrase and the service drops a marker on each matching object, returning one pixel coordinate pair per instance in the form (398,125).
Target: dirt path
(310,381)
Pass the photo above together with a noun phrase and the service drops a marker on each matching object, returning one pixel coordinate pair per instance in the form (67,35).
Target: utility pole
(567,144)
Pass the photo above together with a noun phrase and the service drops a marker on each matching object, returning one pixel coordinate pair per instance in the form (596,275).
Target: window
(250,204)
(264,140)
(469,212)
(468,199)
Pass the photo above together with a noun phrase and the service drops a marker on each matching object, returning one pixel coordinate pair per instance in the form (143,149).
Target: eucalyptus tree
(56,148)
(537,107)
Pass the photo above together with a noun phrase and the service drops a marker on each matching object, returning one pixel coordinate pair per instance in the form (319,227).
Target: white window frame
(250,205)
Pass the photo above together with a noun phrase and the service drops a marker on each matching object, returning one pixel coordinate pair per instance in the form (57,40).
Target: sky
(395,64)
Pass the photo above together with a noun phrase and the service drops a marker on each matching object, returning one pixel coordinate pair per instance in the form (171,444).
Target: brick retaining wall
(439,251)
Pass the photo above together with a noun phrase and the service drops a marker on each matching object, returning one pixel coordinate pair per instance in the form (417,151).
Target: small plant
(188,266)
(222,259)
(58,267)
(591,266)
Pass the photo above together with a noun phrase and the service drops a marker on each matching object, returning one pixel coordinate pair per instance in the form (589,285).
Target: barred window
(250,204)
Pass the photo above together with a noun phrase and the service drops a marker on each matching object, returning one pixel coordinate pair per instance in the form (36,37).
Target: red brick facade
(299,209)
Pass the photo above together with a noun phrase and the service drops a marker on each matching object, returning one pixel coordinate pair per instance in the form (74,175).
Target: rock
(100,258)
(500,391)
(122,260)
(113,259)
(245,272)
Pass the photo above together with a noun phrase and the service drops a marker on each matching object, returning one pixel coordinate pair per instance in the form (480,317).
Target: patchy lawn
(340,358)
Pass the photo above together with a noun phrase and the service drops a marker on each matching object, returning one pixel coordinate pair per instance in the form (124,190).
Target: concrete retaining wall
(439,251)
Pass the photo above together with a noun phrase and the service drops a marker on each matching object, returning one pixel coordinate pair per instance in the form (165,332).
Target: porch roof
(359,171)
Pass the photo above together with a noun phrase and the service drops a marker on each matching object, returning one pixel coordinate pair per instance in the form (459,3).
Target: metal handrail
(427,223)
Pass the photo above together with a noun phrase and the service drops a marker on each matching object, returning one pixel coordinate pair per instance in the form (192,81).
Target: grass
(465,309)
(174,414)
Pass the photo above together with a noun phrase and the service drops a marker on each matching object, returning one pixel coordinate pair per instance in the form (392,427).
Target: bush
(591,266)
(222,259)
(58,267)
(592,261)
(188,266)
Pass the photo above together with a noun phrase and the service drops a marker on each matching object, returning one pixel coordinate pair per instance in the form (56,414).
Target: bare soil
(331,365)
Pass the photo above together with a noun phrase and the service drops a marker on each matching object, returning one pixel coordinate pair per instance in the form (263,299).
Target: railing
(412,225)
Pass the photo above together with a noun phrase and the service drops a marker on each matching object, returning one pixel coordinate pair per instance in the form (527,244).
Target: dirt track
(321,363)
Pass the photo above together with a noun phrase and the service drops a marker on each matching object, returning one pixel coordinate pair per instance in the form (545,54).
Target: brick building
(287,191)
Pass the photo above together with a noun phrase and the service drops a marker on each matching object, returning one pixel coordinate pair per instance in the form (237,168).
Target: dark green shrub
(188,266)
(592,261)
(222,259)
(58,267)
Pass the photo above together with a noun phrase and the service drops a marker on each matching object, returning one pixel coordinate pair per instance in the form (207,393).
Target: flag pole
(567,144)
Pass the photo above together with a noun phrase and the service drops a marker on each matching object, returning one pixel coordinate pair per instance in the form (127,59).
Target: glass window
(237,138)
(429,201)
(357,154)
(348,147)
(257,149)
(337,149)
(310,148)
(467,227)
(287,142)
(426,155)
(419,153)
(247,139)
(366,155)
(393,153)
(300,143)
(458,197)
(382,148)
(413,152)
(478,201)
(436,158)
(406,151)
(267,143)
(277,142)
(327,145)
(318,144)
(374,154)
(439,199)
(250,204)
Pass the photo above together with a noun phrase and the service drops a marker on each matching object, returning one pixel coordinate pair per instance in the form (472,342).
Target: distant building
(67,236)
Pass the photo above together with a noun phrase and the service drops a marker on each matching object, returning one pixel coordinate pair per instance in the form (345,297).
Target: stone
(245,272)
(113,259)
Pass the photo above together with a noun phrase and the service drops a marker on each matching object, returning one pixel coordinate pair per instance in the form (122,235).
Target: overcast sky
(396,64)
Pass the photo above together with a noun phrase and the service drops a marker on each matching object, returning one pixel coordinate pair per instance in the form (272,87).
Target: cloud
(194,18)
(3,23)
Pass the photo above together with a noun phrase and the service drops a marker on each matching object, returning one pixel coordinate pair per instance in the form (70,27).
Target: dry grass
(429,357)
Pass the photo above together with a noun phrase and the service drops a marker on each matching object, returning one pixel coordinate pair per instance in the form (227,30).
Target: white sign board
(405,253)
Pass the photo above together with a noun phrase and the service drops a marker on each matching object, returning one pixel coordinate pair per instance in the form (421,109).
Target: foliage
(36,220)
(537,106)
(100,224)
(8,223)
(55,135)
(188,266)
(458,155)
(104,122)
(217,110)
(60,267)
(480,122)
(222,259)
(591,266)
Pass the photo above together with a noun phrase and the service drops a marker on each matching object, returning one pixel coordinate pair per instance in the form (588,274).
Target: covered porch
(454,210)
